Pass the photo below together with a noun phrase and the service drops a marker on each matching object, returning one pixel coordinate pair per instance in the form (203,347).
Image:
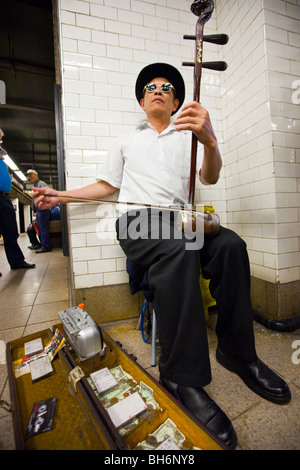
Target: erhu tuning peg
(220,65)
(188,64)
(220,39)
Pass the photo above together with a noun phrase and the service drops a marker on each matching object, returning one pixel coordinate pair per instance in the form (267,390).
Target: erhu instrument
(203,9)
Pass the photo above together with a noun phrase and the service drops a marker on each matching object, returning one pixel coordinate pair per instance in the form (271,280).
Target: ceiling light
(21,175)
(10,163)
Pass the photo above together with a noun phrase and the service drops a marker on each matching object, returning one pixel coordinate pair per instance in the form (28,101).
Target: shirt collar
(146,125)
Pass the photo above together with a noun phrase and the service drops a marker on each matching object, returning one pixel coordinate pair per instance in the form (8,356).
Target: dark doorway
(29,116)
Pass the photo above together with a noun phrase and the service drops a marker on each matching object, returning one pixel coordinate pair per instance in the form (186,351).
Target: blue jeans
(43,225)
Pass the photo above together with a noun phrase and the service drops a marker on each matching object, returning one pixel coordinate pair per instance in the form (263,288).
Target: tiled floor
(30,301)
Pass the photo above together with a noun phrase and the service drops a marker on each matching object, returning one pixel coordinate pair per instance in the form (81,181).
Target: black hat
(160,70)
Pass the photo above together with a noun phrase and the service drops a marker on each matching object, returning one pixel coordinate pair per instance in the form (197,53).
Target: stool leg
(139,323)
(153,344)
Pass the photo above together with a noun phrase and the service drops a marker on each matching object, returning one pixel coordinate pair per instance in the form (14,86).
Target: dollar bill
(166,433)
(148,394)
(118,372)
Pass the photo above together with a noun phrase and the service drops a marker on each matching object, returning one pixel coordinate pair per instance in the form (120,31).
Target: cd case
(103,380)
(33,347)
(42,417)
(40,368)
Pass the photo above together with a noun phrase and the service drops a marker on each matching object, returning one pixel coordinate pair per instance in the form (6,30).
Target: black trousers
(173,274)
(9,231)
(31,232)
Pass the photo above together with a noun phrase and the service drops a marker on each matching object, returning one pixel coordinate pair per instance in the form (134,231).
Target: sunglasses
(165,87)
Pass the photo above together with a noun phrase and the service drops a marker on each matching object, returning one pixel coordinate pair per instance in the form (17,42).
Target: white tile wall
(282,33)
(261,132)
(105,43)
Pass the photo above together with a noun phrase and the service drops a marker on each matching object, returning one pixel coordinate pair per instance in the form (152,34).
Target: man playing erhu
(151,166)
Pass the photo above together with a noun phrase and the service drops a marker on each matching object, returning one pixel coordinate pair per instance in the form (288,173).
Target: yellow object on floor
(208,300)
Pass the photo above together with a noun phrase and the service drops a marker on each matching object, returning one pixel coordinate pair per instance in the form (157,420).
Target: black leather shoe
(34,247)
(43,250)
(25,266)
(258,377)
(205,409)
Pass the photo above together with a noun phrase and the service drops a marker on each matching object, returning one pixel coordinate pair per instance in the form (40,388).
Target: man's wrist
(212,145)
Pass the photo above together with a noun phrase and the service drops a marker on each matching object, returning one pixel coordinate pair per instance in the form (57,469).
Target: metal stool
(151,333)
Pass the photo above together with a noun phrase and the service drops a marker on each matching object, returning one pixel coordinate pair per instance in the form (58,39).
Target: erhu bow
(203,9)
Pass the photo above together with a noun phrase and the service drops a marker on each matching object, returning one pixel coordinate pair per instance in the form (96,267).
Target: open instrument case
(81,422)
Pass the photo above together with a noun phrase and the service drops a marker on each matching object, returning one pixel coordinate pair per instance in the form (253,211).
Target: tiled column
(261,145)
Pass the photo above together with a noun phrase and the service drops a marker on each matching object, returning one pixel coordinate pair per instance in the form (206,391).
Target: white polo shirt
(150,168)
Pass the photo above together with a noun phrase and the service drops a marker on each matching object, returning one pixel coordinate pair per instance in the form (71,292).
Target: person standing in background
(8,223)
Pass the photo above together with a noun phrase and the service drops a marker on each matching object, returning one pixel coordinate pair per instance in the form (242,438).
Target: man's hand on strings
(195,118)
